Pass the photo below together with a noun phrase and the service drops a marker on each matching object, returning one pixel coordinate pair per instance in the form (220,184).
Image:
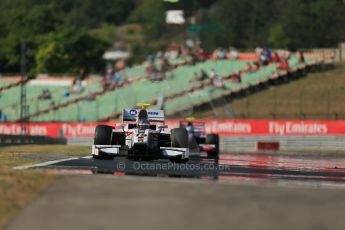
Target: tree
(68,51)
(277,37)
(151,14)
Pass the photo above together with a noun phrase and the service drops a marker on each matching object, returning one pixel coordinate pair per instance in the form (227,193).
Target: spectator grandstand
(180,89)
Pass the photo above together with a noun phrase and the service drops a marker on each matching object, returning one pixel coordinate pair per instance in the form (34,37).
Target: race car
(197,138)
(142,136)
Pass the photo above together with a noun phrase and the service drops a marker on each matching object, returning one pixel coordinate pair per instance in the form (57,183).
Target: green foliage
(105,32)
(277,37)
(65,35)
(68,51)
(293,23)
(151,14)
(56,33)
(51,56)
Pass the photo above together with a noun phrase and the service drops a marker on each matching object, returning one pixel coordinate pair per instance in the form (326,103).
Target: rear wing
(132,114)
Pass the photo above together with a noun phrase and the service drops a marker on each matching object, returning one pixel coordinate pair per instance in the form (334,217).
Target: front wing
(114,150)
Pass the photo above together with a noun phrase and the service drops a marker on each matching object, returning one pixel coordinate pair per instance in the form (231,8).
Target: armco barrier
(27,140)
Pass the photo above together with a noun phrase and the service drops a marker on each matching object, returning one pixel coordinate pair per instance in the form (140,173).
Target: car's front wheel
(103,134)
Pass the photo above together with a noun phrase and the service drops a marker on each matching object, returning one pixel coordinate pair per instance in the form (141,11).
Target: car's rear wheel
(179,139)
(103,134)
(213,139)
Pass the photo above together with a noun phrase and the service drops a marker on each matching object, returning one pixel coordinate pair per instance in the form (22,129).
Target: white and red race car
(142,136)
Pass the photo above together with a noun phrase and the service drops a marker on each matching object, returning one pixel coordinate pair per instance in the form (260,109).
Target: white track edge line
(43,164)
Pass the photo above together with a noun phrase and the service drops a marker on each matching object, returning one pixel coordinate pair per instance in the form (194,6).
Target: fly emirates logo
(298,128)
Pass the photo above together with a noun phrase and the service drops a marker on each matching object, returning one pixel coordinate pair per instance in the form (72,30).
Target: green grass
(317,96)
(18,188)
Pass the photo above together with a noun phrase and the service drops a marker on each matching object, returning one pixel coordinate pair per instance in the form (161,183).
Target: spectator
(258,51)
(268,54)
(90,97)
(150,58)
(82,74)
(124,77)
(287,65)
(45,95)
(117,80)
(194,57)
(233,54)
(212,76)
(165,66)
(3,117)
(301,57)
(236,77)
(76,86)
(202,55)
(160,54)
(203,75)
(108,76)
(287,54)
(221,53)
(218,82)
(275,57)
(152,73)
(256,66)
(250,68)
(284,65)
(263,59)
(67,94)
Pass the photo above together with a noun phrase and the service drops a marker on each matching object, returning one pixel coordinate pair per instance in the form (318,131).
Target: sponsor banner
(221,127)
(264,127)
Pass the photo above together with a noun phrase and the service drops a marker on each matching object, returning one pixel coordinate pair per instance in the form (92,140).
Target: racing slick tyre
(103,135)
(213,139)
(118,138)
(179,139)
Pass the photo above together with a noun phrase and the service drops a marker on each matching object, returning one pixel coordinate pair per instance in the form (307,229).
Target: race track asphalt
(108,202)
(227,167)
(238,191)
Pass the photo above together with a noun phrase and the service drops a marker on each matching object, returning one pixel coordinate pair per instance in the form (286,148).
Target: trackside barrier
(235,134)
(224,127)
(30,140)
(286,143)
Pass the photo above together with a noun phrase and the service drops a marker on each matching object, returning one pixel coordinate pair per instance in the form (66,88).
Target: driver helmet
(143,124)
(190,127)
